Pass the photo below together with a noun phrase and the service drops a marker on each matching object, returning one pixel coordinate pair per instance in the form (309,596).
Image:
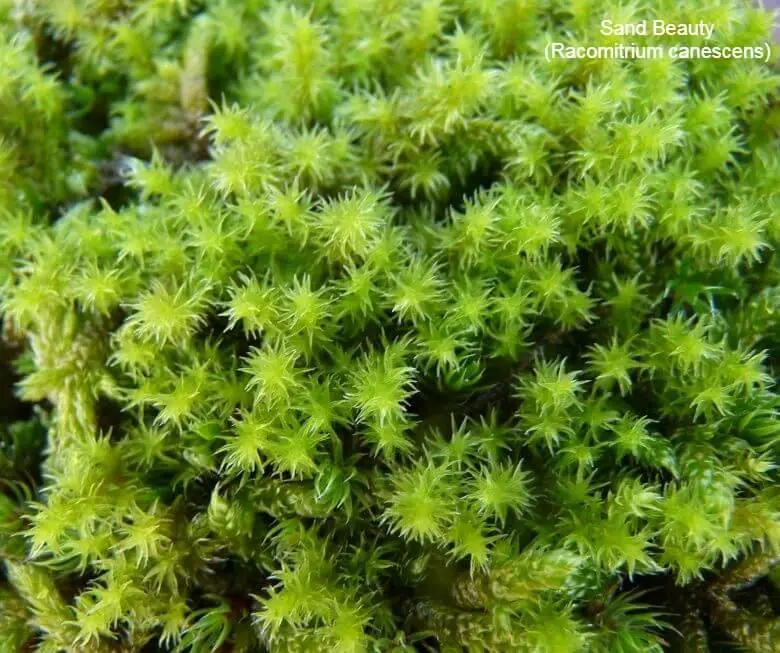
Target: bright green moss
(356,325)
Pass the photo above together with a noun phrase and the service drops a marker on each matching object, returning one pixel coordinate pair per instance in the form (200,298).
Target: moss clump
(359,326)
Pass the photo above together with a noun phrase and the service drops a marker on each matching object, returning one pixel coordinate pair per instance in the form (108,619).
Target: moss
(358,325)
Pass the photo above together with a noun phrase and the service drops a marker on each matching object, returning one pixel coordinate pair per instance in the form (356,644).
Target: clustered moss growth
(356,325)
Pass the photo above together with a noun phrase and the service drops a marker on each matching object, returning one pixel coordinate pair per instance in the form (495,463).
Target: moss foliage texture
(358,326)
